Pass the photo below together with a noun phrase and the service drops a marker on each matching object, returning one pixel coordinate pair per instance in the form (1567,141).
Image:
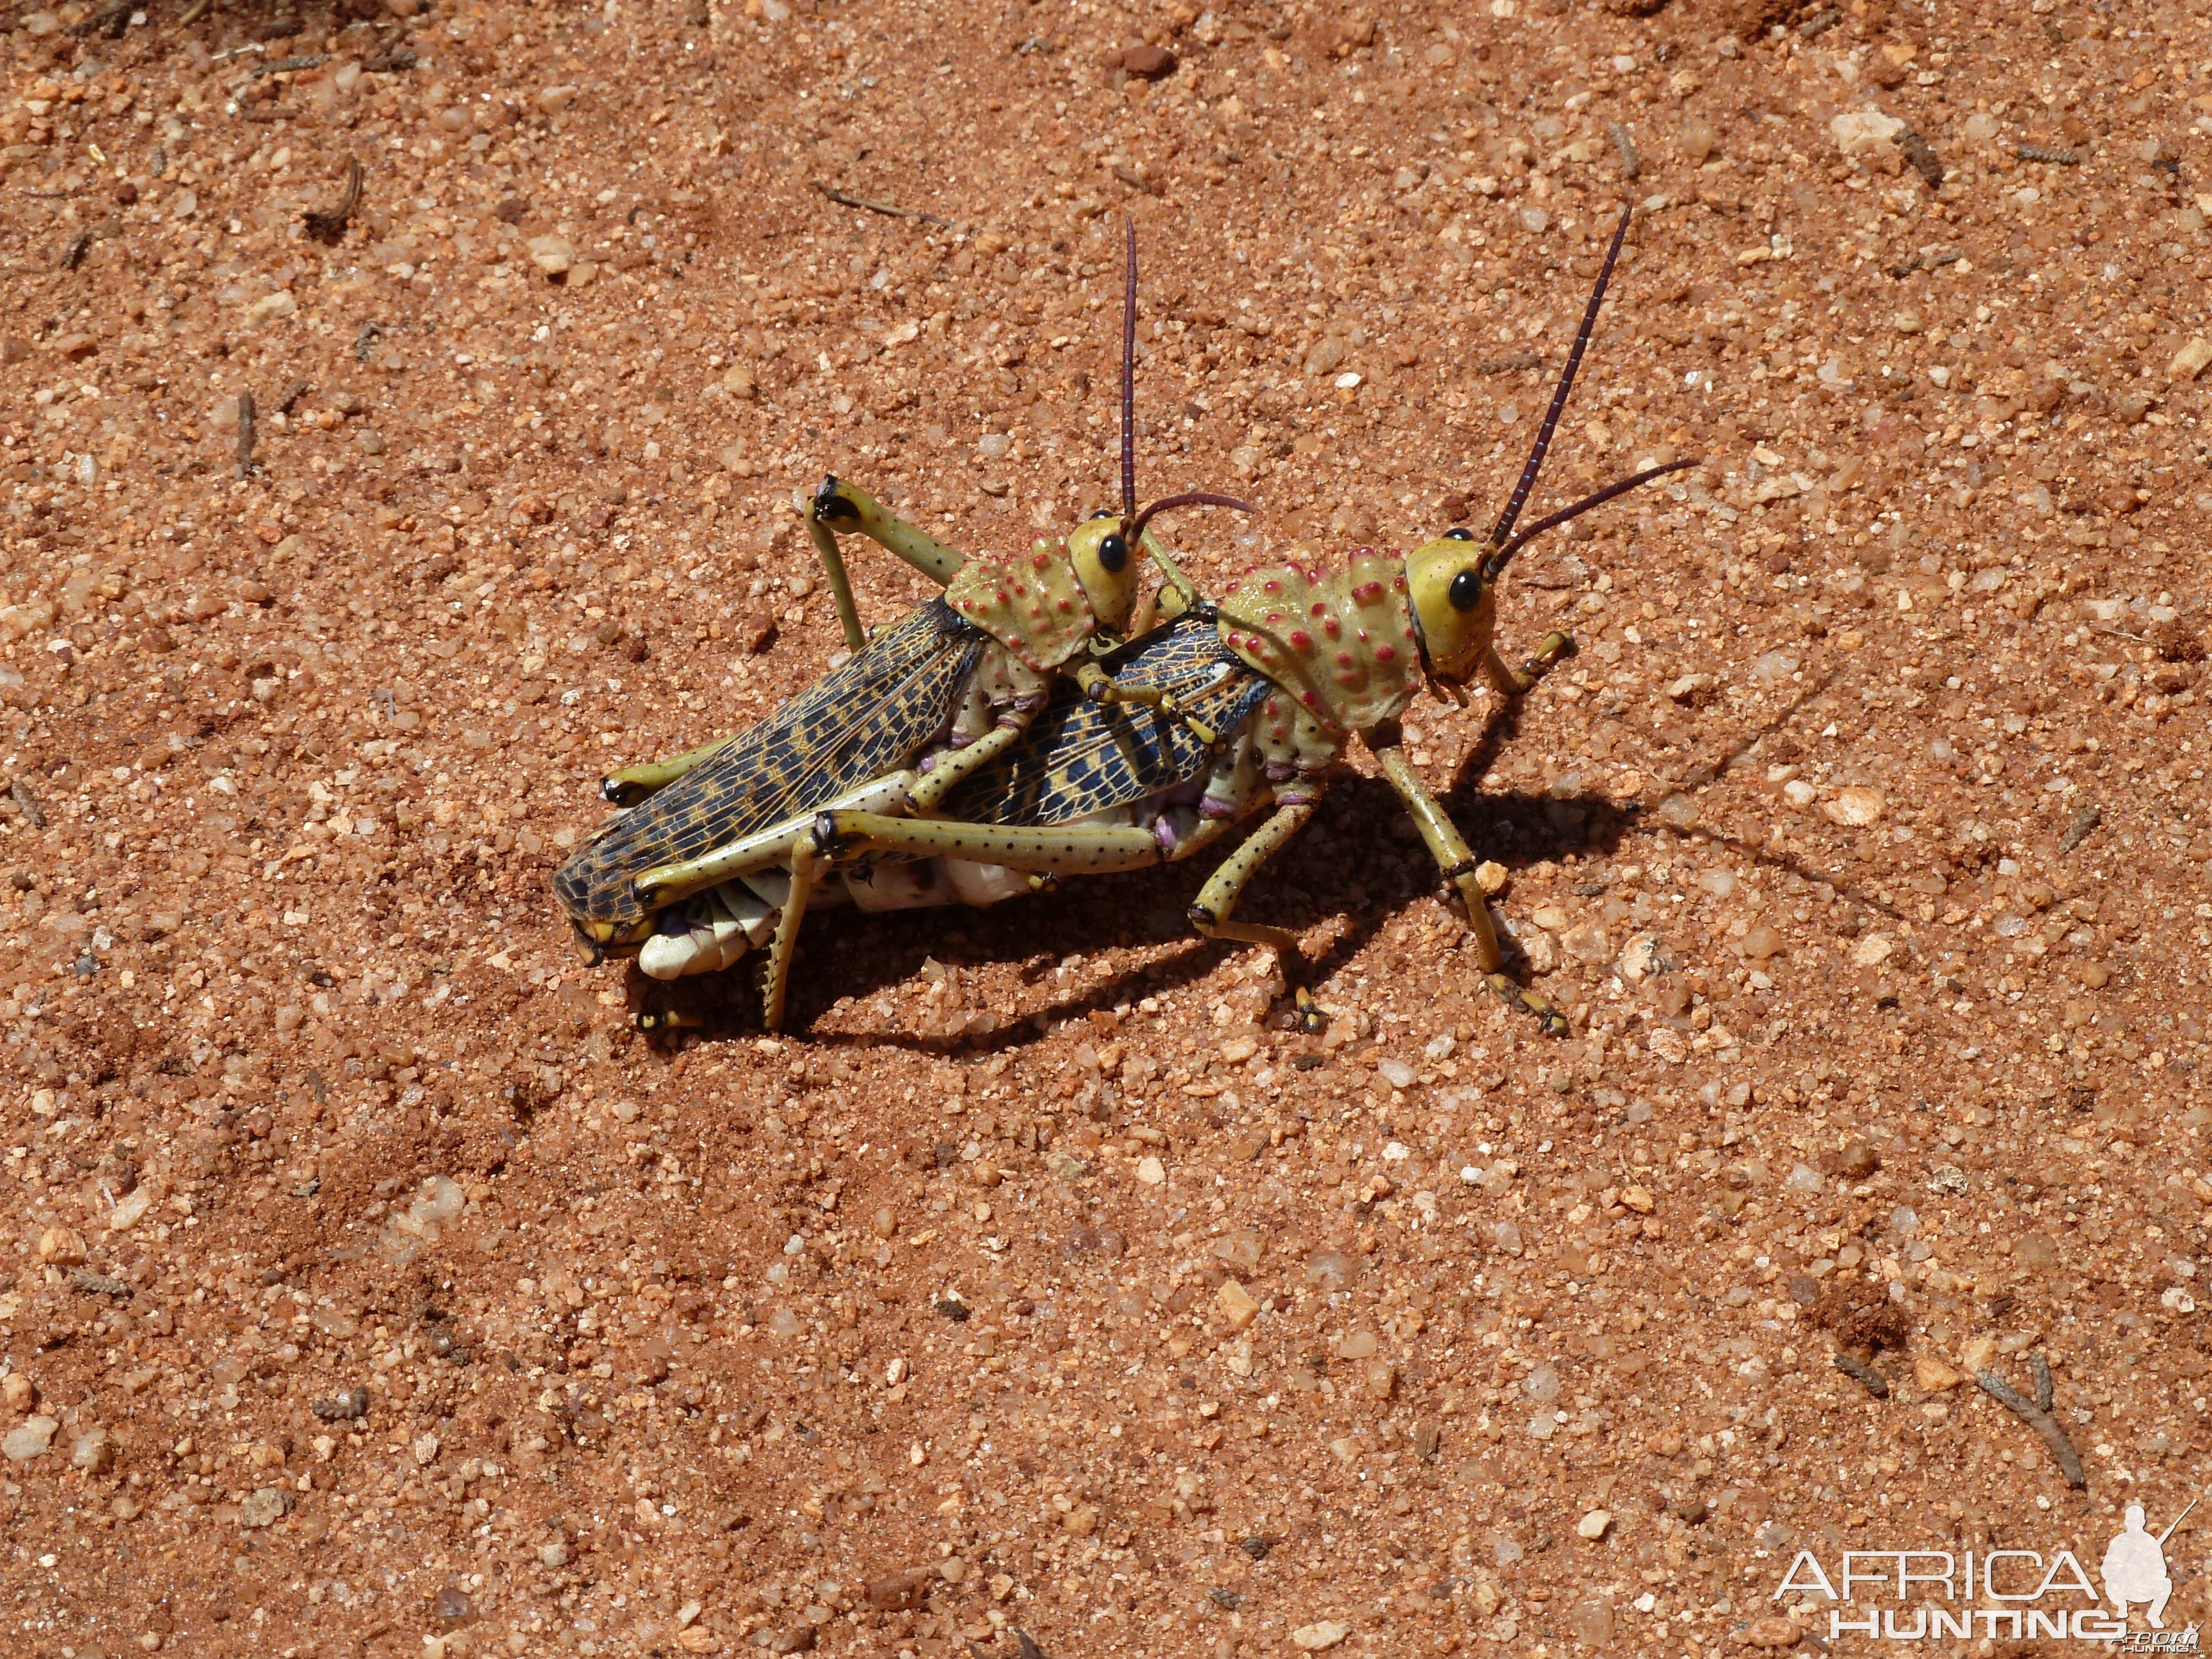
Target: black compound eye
(1114,554)
(1466,590)
(1461,534)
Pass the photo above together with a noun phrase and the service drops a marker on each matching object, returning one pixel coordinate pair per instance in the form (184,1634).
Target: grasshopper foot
(1312,1019)
(1550,650)
(1522,1001)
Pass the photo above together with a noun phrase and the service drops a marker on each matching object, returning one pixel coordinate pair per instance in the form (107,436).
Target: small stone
(952,1569)
(452,1608)
(1591,1620)
(64,1247)
(425,1447)
(264,1507)
(29,1439)
(1864,132)
(1595,1525)
(1241,1249)
(897,1592)
(1491,876)
(2190,361)
(93,1452)
(1637,1198)
(1318,1639)
(1329,1270)
(1356,1345)
(1759,943)
(1932,1376)
(1975,1353)
(1587,942)
(1081,1521)
(554,99)
(1151,1171)
(1379,1378)
(1236,1305)
(756,632)
(2037,1252)
(1395,1073)
(1874,949)
(552,254)
(553,1555)
(1855,808)
(1144,63)
(1772,1632)
(19,1391)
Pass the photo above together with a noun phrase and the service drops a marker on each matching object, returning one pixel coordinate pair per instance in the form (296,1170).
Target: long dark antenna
(1520,497)
(1129,384)
(1188,498)
(1497,561)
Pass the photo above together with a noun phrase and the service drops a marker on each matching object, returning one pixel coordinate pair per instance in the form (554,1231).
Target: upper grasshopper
(1305,660)
(929,701)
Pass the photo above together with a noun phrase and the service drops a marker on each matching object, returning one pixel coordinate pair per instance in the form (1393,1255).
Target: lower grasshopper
(951,686)
(1305,660)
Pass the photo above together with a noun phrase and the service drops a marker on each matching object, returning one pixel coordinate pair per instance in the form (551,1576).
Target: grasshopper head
(1455,603)
(1099,551)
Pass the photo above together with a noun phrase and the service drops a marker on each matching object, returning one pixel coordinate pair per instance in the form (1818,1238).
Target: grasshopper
(1302,660)
(686,872)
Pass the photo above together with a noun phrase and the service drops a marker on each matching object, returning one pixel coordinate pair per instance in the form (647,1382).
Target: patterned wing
(1080,756)
(871,716)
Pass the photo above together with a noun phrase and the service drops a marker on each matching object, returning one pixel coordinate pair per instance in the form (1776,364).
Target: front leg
(1457,860)
(840,507)
(1101,686)
(1518,682)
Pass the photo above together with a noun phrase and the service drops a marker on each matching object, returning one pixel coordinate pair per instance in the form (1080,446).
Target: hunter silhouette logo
(2134,1569)
(2013,1593)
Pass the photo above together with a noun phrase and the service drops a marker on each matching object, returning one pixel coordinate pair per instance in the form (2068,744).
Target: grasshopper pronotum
(688,873)
(1310,658)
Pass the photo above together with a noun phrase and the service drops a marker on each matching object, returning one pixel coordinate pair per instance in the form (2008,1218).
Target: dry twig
(1865,1375)
(844,200)
(245,434)
(2039,1419)
(20,790)
(328,223)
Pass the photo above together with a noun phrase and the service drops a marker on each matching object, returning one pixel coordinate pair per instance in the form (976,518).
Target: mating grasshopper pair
(693,874)
(1229,711)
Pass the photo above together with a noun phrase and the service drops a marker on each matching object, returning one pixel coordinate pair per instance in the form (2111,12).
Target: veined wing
(873,715)
(1081,757)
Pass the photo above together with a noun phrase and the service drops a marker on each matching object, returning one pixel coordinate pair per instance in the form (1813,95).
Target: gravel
(1862,839)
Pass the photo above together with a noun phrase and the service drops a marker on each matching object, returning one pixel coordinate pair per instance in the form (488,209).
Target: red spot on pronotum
(1398,581)
(1386,653)
(1271,585)
(1344,659)
(1301,639)
(1368,593)
(1319,609)
(1039,560)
